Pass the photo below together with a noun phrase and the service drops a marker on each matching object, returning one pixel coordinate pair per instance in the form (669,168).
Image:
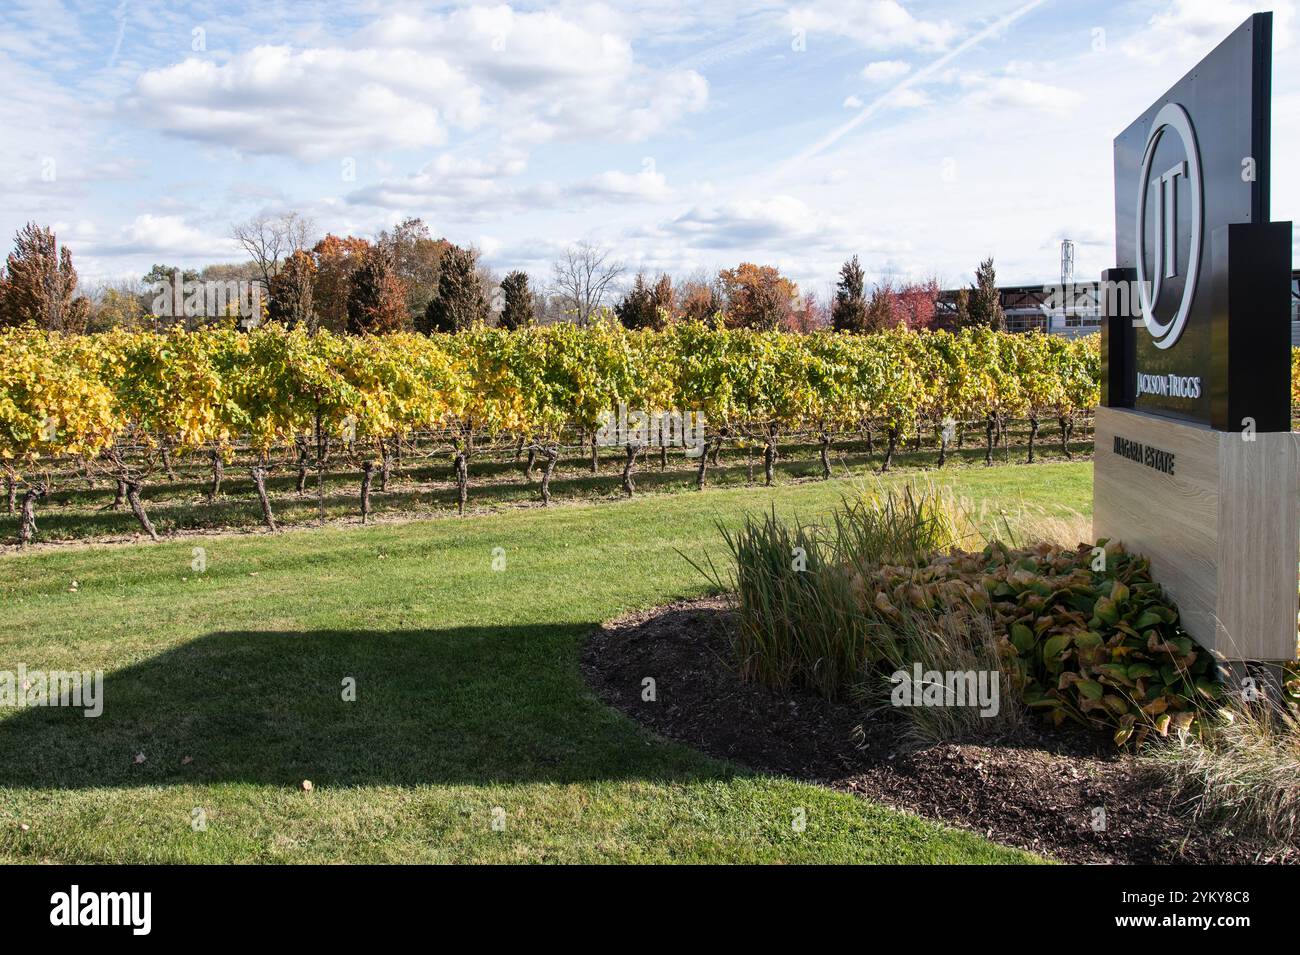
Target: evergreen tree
(639,308)
(985,304)
(460,301)
(517,312)
(961,309)
(377,297)
(880,309)
(291,292)
(849,310)
(41,284)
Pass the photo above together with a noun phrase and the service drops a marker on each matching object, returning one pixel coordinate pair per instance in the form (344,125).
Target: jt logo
(1171,118)
(1166,264)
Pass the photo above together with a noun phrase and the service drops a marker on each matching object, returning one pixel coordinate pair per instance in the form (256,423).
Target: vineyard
(137,409)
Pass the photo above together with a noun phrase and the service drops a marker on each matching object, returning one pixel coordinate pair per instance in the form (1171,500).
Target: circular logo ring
(1171,116)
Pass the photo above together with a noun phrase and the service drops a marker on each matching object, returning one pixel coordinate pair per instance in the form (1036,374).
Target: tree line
(407,280)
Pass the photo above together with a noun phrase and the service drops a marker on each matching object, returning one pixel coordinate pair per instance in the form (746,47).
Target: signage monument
(1196,466)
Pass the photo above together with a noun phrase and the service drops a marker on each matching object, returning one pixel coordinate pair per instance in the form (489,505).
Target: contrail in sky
(864,114)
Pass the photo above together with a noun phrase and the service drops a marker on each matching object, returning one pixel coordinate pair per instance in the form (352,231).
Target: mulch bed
(1035,789)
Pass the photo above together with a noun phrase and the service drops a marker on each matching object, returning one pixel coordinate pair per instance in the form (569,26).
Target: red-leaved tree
(806,315)
(915,301)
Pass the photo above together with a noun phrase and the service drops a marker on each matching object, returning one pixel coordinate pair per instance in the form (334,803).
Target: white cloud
(170,236)
(1018,92)
(48,153)
(755,224)
(1189,29)
(885,71)
(470,184)
(873,24)
(508,48)
(802,240)
(407,81)
(451,113)
(910,98)
(474,188)
(1010,88)
(644,186)
(313,104)
(461,168)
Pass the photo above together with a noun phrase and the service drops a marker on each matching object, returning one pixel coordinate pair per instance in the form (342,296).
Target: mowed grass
(424,486)
(468,696)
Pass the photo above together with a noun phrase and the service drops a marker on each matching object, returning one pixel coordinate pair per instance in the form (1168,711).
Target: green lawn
(424,485)
(468,697)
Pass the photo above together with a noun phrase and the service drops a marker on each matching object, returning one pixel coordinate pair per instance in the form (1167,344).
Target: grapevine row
(126,403)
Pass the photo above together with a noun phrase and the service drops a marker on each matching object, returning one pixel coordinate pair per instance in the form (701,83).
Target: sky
(685,136)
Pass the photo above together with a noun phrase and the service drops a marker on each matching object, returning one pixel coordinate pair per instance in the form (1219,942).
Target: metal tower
(1067,279)
(1067,262)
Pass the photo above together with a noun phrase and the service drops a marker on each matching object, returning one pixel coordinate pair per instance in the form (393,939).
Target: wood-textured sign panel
(1217,516)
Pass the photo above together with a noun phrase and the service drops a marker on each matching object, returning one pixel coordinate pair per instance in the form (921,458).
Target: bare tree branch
(582,278)
(269,239)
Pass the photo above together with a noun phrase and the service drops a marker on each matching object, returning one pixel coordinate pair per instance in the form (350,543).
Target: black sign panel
(1194,163)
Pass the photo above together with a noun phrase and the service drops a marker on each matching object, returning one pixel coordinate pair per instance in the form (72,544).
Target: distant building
(1030,307)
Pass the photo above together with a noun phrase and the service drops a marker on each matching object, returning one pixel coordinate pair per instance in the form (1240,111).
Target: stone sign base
(1217,514)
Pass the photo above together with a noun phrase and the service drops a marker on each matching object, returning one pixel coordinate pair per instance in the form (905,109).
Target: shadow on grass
(463,705)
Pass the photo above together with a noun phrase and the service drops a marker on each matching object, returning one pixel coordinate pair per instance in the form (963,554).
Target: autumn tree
(665,299)
(377,298)
(698,299)
(882,308)
(849,310)
(961,309)
(417,259)
(808,315)
(336,260)
(40,284)
(460,302)
(117,305)
(517,307)
(757,296)
(917,301)
(292,290)
(985,304)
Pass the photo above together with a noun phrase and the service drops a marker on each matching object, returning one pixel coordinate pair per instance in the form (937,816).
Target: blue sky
(684,135)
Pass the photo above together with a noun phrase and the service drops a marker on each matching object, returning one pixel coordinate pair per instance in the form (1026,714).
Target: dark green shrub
(1086,633)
